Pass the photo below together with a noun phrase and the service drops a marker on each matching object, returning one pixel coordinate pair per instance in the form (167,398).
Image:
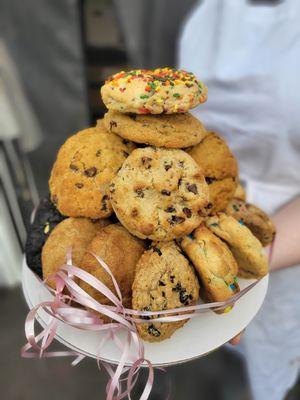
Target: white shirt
(249,57)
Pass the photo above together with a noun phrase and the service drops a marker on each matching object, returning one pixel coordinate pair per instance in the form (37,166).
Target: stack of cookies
(156,196)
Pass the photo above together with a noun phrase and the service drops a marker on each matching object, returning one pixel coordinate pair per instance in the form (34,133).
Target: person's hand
(236,340)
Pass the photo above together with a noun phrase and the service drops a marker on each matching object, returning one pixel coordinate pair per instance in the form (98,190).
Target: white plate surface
(198,337)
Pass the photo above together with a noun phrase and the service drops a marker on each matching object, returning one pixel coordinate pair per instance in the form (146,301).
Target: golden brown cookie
(219,167)
(171,131)
(240,193)
(214,263)
(164,280)
(121,252)
(71,233)
(159,194)
(254,218)
(162,90)
(85,165)
(245,247)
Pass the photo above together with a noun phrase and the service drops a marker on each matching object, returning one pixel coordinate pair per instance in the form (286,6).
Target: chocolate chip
(105,197)
(176,220)
(146,316)
(125,153)
(209,180)
(161,283)
(192,188)
(79,185)
(183,297)
(157,250)
(112,124)
(187,212)
(177,288)
(125,141)
(168,165)
(134,212)
(166,192)
(112,188)
(139,192)
(235,207)
(172,277)
(179,181)
(103,201)
(73,167)
(181,164)
(146,161)
(152,330)
(209,206)
(98,153)
(163,294)
(170,209)
(90,172)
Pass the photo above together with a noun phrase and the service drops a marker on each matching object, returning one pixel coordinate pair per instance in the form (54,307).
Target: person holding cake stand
(247,53)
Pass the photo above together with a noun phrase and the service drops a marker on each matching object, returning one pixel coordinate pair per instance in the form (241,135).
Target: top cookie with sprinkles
(158,91)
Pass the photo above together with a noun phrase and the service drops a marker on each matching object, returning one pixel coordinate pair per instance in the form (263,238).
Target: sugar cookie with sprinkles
(158,91)
(167,130)
(245,247)
(214,263)
(259,223)
(160,194)
(164,280)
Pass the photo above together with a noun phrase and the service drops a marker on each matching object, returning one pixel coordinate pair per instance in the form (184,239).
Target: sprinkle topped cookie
(246,249)
(162,90)
(213,262)
(159,194)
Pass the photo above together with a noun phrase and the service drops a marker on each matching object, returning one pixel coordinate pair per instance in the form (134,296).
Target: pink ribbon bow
(61,309)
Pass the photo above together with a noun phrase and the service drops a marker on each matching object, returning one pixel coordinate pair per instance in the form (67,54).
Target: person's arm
(286,249)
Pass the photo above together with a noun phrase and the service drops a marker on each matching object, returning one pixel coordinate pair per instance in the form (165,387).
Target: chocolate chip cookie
(164,280)
(171,131)
(254,218)
(214,263)
(85,165)
(219,167)
(245,247)
(160,194)
(46,217)
(72,233)
(162,90)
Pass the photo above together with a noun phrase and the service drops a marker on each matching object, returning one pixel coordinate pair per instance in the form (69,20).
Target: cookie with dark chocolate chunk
(46,217)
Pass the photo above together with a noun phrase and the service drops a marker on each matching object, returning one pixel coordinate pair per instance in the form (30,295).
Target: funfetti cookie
(84,167)
(164,280)
(160,194)
(214,263)
(121,252)
(158,91)
(73,234)
(254,218)
(245,247)
(171,131)
(219,167)
(46,217)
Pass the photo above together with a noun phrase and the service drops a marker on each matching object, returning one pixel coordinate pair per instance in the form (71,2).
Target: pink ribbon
(61,309)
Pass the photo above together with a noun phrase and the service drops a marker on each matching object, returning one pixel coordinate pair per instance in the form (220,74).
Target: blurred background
(54,56)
